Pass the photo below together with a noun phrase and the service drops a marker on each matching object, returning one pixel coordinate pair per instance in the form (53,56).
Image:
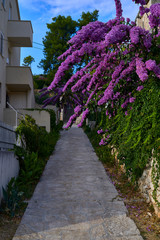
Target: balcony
(20,33)
(19,79)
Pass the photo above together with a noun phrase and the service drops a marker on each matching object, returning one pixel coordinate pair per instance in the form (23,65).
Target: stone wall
(146,187)
(145,183)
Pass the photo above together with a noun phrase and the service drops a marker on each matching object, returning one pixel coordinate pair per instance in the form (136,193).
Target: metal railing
(17,112)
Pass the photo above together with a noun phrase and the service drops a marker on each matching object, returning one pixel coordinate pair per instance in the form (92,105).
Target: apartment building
(16,83)
(143,21)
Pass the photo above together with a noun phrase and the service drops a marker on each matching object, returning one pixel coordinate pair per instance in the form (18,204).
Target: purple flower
(102,142)
(118,8)
(132,99)
(155,10)
(133,23)
(69,123)
(128,20)
(84,115)
(139,88)
(141,70)
(156,70)
(108,136)
(124,105)
(118,34)
(78,109)
(150,64)
(142,2)
(154,17)
(135,35)
(100,131)
(143,10)
(125,52)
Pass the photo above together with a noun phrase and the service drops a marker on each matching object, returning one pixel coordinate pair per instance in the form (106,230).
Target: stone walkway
(75,199)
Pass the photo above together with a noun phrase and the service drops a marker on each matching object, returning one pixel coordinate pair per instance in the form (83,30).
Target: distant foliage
(27,61)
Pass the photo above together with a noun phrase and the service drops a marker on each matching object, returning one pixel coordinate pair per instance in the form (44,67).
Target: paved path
(75,199)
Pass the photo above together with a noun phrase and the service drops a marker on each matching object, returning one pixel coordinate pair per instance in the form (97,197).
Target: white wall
(18,99)
(9,165)
(42,118)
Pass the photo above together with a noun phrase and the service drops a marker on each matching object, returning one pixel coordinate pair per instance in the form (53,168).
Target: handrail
(16,111)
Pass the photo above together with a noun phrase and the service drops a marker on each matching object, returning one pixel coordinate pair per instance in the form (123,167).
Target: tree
(59,33)
(55,43)
(27,61)
(87,18)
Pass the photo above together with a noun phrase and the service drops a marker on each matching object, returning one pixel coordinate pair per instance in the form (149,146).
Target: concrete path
(75,199)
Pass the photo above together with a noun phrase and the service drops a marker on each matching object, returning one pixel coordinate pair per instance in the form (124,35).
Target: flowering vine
(117,59)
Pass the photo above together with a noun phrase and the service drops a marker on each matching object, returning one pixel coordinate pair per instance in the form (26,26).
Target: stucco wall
(9,165)
(42,118)
(14,58)
(18,99)
(11,52)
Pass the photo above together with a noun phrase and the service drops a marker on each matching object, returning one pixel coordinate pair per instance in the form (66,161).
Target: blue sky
(41,12)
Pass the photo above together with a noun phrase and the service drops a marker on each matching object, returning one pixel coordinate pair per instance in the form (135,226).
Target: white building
(16,83)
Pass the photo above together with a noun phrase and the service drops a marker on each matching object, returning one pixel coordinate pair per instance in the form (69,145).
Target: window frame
(10,12)
(0,92)
(4,4)
(1,44)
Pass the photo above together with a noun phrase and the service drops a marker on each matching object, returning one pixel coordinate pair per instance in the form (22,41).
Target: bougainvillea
(117,59)
(116,63)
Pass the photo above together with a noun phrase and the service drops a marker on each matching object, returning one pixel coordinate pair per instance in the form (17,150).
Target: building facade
(143,21)
(16,82)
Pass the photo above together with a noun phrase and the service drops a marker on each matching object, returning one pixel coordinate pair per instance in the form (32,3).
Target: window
(10,12)
(3,3)
(0,93)
(8,60)
(1,43)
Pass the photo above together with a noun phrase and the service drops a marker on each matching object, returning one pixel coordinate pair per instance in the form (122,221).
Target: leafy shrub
(40,100)
(11,198)
(37,146)
(31,170)
(35,138)
(103,152)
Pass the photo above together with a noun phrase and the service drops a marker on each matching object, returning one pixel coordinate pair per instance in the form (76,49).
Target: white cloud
(74,8)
